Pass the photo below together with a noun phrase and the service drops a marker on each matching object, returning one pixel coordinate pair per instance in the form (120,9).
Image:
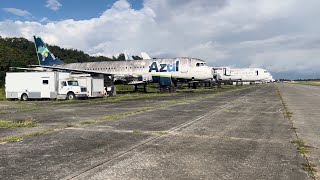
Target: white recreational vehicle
(48,85)
(95,85)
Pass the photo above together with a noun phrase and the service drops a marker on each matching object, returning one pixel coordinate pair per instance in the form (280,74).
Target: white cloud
(44,19)
(53,5)
(18,12)
(280,36)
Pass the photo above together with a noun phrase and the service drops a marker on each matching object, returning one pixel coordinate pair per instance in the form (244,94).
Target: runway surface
(240,134)
(304,103)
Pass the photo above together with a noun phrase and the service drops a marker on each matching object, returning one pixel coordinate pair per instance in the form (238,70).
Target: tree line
(20,52)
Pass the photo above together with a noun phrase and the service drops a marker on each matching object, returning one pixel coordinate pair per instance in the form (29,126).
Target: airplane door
(257,73)
(45,89)
(183,67)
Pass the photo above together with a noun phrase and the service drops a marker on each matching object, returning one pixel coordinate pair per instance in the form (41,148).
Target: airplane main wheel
(24,97)
(71,96)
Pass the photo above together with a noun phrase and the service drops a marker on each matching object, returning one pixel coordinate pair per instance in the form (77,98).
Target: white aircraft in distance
(252,75)
(166,72)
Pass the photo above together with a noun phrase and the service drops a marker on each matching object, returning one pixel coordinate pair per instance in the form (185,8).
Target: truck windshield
(73,83)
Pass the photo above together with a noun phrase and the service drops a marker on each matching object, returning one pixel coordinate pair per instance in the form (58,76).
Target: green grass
(137,132)
(308,165)
(302,148)
(10,124)
(160,132)
(124,88)
(24,136)
(2,94)
(310,83)
(311,168)
(151,88)
(88,122)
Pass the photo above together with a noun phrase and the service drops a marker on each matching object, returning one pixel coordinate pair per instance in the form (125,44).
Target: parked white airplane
(226,74)
(166,72)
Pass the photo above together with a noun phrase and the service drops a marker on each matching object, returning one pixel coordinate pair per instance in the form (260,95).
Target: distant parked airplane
(252,75)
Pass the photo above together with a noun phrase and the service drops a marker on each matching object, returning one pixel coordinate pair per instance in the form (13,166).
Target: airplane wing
(121,77)
(72,70)
(29,69)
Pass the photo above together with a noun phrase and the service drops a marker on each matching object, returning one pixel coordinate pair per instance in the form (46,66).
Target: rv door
(45,89)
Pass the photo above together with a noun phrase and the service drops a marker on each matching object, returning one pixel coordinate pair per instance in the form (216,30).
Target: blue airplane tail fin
(45,57)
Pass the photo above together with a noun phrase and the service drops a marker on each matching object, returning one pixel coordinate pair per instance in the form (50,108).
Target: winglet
(145,55)
(128,58)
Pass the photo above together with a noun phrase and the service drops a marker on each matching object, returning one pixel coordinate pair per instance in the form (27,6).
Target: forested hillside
(19,52)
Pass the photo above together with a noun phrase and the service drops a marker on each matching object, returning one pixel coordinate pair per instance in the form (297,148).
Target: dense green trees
(19,52)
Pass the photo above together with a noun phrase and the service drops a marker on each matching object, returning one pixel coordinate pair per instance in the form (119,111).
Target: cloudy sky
(281,36)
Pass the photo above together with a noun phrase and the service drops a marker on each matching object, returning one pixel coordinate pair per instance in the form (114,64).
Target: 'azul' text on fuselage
(163,67)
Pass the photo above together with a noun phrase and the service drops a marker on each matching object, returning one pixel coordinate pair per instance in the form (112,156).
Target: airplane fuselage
(244,74)
(179,69)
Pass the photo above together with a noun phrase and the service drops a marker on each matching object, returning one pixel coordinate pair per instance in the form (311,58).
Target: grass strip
(10,124)
(309,83)
(19,138)
(2,94)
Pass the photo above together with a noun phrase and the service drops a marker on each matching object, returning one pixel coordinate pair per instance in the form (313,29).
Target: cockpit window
(265,71)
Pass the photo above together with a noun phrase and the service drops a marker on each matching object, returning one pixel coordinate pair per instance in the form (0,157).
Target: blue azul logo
(43,51)
(174,67)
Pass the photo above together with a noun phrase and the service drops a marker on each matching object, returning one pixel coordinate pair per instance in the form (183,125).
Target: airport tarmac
(303,102)
(240,134)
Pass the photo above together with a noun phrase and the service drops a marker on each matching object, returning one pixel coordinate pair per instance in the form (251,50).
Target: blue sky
(69,9)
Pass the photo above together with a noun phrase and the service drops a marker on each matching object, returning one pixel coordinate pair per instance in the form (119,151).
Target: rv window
(45,81)
(72,83)
(63,83)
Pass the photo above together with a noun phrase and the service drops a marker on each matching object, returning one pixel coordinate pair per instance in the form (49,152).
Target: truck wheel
(71,96)
(24,97)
